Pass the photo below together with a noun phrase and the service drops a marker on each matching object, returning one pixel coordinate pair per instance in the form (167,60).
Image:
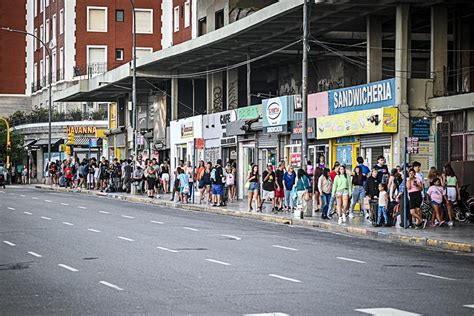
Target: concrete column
(232,89)
(402,52)
(439,48)
(174,99)
(374,49)
(466,55)
(217,93)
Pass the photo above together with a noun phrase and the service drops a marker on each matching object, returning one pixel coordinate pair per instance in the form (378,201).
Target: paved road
(73,254)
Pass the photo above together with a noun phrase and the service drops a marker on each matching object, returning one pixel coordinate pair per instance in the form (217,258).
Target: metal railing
(89,70)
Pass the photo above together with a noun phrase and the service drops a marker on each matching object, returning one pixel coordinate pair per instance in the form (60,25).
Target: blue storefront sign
(421,128)
(344,154)
(275,114)
(364,97)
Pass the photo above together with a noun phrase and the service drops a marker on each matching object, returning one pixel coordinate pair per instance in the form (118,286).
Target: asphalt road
(75,254)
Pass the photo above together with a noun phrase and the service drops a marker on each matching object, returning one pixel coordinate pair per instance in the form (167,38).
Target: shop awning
(81,141)
(44,141)
(29,143)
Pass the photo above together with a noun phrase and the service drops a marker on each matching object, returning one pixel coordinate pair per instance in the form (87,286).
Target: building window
(96,19)
(119,16)
(176,19)
(96,56)
(202,27)
(119,54)
(53,35)
(41,5)
(144,21)
(41,32)
(219,19)
(47,4)
(61,64)
(47,31)
(187,13)
(61,22)
(144,51)
(35,44)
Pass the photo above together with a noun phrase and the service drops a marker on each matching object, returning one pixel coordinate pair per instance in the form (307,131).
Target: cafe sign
(81,130)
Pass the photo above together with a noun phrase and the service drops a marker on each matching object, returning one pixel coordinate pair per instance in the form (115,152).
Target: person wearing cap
(268,187)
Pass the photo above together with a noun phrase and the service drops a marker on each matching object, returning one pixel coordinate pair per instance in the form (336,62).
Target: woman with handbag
(253,186)
(303,190)
(342,189)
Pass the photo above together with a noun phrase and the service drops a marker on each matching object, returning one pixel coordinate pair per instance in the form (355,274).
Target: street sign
(413,145)
(140,140)
(199,142)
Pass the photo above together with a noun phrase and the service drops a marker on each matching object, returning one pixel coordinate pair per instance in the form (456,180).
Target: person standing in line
(314,187)
(230,181)
(372,191)
(342,189)
(360,163)
(288,182)
(268,187)
(184,187)
(436,195)
(189,170)
(325,189)
(279,187)
(253,179)
(452,191)
(382,170)
(332,201)
(217,175)
(205,183)
(150,178)
(358,192)
(127,176)
(165,176)
(414,187)
(382,209)
(303,190)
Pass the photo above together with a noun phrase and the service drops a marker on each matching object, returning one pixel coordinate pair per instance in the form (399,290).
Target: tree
(17,141)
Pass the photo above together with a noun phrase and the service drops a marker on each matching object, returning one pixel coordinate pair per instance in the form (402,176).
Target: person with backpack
(217,175)
(205,183)
(230,181)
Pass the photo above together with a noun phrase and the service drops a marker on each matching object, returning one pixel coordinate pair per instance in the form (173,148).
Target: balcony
(89,70)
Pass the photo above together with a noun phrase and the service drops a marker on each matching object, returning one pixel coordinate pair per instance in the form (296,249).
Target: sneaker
(351,215)
(329,217)
(344,218)
(441,223)
(339,221)
(450,223)
(425,221)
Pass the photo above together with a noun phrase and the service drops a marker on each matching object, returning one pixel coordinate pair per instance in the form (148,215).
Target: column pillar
(439,49)
(232,89)
(402,57)
(466,55)
(374,49)
(174,99)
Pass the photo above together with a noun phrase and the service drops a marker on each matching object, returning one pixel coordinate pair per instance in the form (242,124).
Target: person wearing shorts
(253,180)
(342,189)
(452,191)
(414,188)
(436,195)
(268,187)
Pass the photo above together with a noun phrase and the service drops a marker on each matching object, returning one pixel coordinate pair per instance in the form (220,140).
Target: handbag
(247,185)
(307,195)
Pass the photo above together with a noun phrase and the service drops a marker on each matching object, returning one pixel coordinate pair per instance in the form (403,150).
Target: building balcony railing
(89,70)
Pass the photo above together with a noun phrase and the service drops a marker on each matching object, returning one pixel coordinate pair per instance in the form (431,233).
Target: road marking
(9,243)
(218,262)
(67,223)
(126,216)
(386,312)
(351,260)
(22,195)
(28,213)
(284,278)
(67,267)
(111,285)
(192,229)
(435,276)
(65,204)
(3,192)
(469,306)
(34,198)
(104,212)
(268,314)
(35,254)
(125,238)
(46,218)
(233,237)
(82,207)
(93,230)
(48,201)
(166,249)
(287,248)
(11,193)
(11,208)
(156,222)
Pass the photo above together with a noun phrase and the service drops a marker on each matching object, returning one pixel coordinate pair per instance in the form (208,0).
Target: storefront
(361,122)
(88,141)
(216,143)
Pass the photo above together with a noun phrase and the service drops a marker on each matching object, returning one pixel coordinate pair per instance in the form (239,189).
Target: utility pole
(134,85)
(304,86)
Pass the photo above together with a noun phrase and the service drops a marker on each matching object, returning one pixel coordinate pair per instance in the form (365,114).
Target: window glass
(119,54)
(456,148)
(142,52)
(219,19)
(470,147)
(97,20)
(176,19)
(470,121)
(144,21)
(202,27)
(119,16)
(187,13)
(61,22)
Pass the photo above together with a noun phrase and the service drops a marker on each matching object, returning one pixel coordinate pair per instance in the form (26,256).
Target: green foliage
(100,115)
(17,141)
(75,115)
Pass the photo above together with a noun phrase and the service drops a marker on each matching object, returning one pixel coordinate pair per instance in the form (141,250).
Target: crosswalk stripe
(386,312)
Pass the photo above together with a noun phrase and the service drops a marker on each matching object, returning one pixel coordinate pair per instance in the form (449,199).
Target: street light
(134,85)
(48,51)
(9,145)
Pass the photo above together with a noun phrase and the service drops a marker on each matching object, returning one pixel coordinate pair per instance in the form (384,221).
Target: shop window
(457,148)
(470,147)
(202,27)
(219,19)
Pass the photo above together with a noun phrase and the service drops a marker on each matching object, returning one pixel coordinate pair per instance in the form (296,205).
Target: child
(383,200)
(436,194)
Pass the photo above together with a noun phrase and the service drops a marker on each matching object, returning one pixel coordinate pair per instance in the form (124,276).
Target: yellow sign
(81,129)
(383,120)
(100,133)
(68,150)
(70,139)
(113,115)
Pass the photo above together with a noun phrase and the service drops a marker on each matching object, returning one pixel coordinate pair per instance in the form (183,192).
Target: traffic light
(70,139)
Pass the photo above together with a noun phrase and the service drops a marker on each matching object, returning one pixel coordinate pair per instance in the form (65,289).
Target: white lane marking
(284,278)
(35,254)
(268,314)
(34,198)
(218,262)
(126,216)
(386,312)
(82,207)
(233,237)
(65,204)
(435,276)
(156,222)
(28,213)
(111,285)
(469,306)
(11,208)
(167,249)
(125,238)
(67,267)
(192,229)
(67,223)
(9,243)
(46,218)
(93,230)
(351,260)
(283,247)
(3,192)
(22,195)
(104,212)
(48,201)
(11,193)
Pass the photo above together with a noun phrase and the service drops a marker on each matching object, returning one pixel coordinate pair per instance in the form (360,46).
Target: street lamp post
(304,88)
(48,51)
(9,145)
(134,84)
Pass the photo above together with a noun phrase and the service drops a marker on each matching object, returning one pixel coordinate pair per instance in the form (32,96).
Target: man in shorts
(268,186)
(217,175)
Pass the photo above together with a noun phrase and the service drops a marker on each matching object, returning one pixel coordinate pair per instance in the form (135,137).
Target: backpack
(230,179)
(216,175)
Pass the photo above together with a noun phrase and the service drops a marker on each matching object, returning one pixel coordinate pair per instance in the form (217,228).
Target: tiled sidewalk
(457,238)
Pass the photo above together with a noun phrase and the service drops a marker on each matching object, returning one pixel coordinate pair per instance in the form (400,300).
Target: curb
(356,231)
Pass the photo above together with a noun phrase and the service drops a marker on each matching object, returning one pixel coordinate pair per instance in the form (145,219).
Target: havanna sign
(81,129)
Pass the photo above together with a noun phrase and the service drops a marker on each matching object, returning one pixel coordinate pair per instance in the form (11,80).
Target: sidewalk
(458,238)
